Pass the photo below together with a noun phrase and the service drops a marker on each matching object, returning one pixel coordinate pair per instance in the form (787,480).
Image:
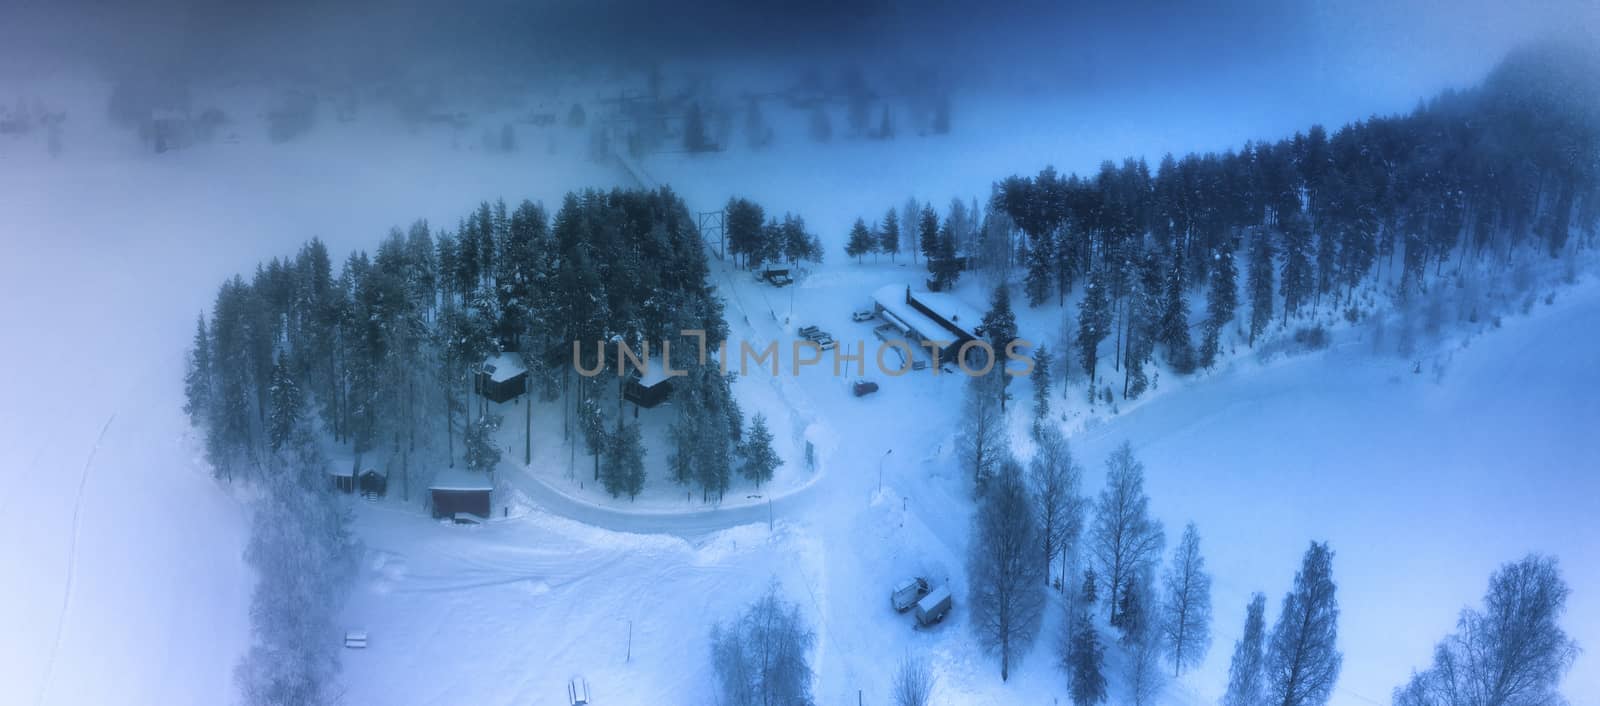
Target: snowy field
(123,572)
(1423,485)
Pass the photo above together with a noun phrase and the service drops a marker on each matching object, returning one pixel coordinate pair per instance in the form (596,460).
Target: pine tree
(1221,300)
(999,328)
(1144,329)
(1041,261)
(889,235)
(928,234)
(1186,614)
(1090,587)
(760,460)
(592,421)
(623,470)
(197,381)
(1298,279)
(1175,319)
(1260,283)
(945,267)
(1245,672)
(712,457)
(481,452)
(1094,324)
(284,409)
(860,242)
(1040,377)
(798,244)
(744,220)
(1085,661)
(1327,264)
(1303,658)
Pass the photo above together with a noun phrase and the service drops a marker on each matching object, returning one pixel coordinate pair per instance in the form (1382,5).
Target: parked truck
(933,607)
(907,593)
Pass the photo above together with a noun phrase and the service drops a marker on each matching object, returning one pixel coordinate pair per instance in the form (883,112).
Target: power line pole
(712,221)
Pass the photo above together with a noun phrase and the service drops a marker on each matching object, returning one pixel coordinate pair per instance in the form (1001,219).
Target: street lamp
(881,459)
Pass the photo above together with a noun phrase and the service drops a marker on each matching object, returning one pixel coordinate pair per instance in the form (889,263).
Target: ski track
(72,561)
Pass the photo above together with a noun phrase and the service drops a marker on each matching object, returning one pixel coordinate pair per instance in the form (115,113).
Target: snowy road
(688,525)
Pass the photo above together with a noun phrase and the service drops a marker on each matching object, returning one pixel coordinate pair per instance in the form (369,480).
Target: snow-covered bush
(304,557)
(763,656)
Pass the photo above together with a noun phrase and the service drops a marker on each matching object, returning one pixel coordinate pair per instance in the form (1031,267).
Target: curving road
(689,525)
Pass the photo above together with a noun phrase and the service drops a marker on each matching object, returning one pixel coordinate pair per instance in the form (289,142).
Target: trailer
(933,607)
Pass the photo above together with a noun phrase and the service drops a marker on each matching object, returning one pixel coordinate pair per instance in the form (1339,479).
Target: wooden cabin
(457,490)
(502,377)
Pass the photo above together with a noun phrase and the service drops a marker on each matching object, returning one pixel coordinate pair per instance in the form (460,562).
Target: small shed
(778,276)
(344,479)
(502,377)
(457,490)
(650,388)
(373,483)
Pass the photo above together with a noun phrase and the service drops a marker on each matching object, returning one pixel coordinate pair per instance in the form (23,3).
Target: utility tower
(711,222)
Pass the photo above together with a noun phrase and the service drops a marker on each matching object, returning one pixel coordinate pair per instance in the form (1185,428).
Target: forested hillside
(1500,174)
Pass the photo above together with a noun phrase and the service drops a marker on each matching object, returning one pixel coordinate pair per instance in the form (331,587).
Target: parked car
(809,331)
(863,315)
(907,593)
(933,607)
(578,691)
(863,387)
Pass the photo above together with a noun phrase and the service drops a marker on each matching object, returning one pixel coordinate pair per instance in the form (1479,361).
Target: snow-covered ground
(121,572)
(1423,485)
(122,568)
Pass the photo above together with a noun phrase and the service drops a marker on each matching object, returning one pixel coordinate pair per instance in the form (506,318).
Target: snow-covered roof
(460,479)
(654,372)
(503,366)
(952,308)
(337,469)
(935,596)
(892,298)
